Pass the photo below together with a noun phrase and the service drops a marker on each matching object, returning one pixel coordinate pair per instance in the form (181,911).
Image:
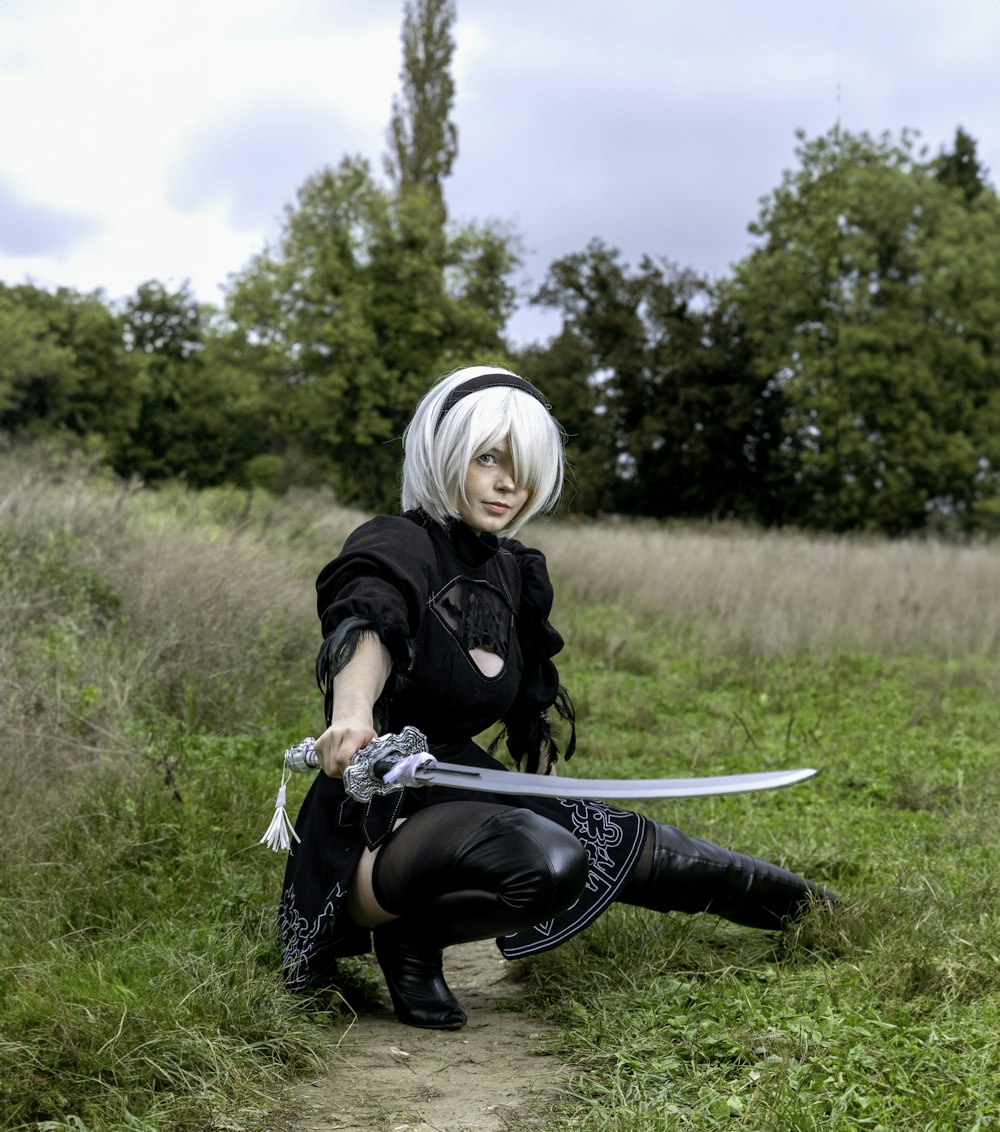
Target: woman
(439,618)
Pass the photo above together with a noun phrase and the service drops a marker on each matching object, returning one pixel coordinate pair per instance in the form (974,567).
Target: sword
(391,762)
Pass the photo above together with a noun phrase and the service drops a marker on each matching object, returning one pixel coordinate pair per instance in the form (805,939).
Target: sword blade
(487,780)
(375,769)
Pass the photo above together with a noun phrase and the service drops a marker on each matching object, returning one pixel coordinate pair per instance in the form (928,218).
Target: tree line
(844,376)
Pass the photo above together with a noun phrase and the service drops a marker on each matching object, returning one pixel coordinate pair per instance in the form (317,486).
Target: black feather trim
(530,737)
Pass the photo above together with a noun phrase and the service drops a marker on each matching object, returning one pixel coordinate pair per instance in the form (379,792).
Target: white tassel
(280,831)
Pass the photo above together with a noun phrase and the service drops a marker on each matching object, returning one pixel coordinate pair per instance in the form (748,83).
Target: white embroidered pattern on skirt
(298,935)
(613,839)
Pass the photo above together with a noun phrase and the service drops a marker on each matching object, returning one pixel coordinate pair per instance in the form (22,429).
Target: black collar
(473,549)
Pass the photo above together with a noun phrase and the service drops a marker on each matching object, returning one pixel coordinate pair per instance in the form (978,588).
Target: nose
(505,479)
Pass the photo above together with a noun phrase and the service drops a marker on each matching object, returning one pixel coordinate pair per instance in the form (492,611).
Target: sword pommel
(369,766)
(302,756)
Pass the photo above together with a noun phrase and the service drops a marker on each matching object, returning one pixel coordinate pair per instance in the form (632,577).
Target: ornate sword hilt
(363,778)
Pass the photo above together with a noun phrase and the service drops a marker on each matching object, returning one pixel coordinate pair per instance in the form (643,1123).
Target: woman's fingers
(340,743)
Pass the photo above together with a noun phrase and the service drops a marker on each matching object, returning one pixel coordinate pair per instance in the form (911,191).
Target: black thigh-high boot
(686,874)
(514,870)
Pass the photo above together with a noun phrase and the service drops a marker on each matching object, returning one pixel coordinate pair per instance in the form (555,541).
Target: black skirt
(334,829)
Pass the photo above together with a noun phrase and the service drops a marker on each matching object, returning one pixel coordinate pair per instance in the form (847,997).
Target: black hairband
(487,381)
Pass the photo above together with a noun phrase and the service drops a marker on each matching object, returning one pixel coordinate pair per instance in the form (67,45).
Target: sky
(163,139)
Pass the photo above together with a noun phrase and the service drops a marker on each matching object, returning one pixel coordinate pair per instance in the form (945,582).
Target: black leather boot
(420,996)
(515,870)
(687,874)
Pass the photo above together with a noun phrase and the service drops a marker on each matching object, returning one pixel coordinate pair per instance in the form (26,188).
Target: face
(493,494)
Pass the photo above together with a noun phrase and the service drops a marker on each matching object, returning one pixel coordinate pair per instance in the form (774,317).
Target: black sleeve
(377,584)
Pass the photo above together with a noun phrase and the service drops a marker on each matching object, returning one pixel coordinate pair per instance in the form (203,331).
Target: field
(157,657)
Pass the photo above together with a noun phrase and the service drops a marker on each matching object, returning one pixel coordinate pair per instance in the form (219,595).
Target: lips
(497,508)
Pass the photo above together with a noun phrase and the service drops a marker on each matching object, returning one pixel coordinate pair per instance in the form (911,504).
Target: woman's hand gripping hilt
(364,777)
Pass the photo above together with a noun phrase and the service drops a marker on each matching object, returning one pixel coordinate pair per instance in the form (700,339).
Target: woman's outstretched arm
(355,689)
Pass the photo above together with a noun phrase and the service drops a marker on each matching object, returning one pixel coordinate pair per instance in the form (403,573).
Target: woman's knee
(528,860)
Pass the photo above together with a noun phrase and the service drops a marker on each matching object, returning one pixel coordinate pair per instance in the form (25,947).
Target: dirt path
(494,1075)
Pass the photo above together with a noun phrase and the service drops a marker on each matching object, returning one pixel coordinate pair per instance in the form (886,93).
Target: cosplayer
(438,618)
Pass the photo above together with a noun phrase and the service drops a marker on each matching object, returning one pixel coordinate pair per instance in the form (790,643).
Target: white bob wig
(437,450)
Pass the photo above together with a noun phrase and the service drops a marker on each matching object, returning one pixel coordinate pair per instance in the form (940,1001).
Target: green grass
(156,660)
(152,670)
(885,1017)
(139,980)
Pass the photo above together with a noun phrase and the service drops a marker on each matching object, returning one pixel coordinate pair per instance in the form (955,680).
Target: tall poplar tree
(423,139)
(368,295)
(961,168)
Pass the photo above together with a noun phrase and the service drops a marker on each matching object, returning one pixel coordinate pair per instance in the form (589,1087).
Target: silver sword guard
(363,777)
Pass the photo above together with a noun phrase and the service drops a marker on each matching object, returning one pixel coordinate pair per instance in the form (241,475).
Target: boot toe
(431,1016)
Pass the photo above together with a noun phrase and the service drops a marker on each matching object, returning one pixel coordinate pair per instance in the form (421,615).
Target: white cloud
(181,128)
(185,125)
(254,157)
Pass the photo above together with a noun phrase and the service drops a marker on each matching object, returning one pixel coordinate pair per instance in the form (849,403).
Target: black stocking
(461,871)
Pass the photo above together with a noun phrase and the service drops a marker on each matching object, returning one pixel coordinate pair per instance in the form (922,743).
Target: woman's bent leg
(459,872)
(676,873)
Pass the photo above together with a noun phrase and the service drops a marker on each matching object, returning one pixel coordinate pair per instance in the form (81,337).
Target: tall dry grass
(125,609)
(775,593)
(155,645)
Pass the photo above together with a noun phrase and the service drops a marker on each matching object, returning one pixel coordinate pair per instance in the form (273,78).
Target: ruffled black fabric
(388,572)
(530,737)
(528,726)
(381,577)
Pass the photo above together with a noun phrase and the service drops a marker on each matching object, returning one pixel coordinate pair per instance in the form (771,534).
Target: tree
(164,324)
(665,415)
(961,169)
(37,374)
(64,368)
(423,140)
(345,322)
(368,295)
(872,309)
(200,418)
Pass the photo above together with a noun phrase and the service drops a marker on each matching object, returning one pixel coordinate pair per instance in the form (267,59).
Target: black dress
(432,595)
